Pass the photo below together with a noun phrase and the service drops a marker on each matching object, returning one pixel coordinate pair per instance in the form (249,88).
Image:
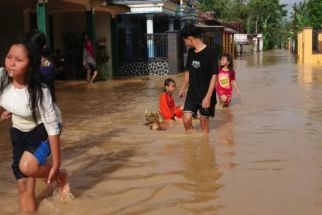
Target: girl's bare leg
(26,192)
(94,76)
(29,166)
(88,76)
(223,99)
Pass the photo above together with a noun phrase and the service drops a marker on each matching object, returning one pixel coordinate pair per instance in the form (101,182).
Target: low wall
(305,51)
(157,67)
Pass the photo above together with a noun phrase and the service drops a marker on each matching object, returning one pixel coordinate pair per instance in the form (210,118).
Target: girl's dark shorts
(91,67)
(34,141)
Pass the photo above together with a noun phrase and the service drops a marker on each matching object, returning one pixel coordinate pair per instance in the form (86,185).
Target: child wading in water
(226,80)
(35,124)
(199,78)
(168,108)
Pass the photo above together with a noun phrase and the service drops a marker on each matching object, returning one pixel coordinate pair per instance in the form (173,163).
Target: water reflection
(310,75)
(224,133)
(202,173)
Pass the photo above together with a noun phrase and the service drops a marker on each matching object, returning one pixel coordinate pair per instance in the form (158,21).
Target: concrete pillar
(173,52)
(171,24)
(42,19)
(115,48)
(307,40)
(260,42)
(223,42)
(300,47)
(90,25)
(26,20)
(149,31)
(320,41)
(226,43)
(230,44)
(233,45)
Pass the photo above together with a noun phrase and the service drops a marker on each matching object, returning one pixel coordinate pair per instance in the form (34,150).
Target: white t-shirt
(16,101)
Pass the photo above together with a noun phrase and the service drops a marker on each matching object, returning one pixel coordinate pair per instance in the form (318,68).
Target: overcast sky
(290,2)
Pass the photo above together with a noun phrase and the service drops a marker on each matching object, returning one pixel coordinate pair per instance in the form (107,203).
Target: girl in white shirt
(35,124)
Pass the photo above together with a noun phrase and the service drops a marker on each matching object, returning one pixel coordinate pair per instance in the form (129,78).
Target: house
(143,35)
(217,34)
(63,21)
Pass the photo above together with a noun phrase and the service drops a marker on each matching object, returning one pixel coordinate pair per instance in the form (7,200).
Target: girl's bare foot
(65,194)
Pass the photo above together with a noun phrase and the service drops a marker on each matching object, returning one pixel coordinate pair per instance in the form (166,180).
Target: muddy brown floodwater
(263,155)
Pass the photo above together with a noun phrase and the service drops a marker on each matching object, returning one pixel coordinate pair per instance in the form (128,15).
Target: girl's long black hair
(230,60)
(38,38)
(33,78)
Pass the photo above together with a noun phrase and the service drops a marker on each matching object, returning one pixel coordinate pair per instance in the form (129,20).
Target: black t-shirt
(201,66)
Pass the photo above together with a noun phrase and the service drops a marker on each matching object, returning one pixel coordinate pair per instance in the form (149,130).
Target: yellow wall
(305,52)
(300,47)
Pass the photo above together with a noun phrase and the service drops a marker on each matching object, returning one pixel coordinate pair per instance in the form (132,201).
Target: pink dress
(223,85)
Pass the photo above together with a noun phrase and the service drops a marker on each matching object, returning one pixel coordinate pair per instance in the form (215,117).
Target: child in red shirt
(226,80)
(168,108)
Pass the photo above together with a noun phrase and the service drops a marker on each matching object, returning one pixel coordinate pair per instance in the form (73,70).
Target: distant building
(63,21)
(142,33)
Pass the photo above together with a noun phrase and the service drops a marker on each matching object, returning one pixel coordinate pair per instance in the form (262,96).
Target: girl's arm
(235,86)
(50,120)
(54,142)
(5,115)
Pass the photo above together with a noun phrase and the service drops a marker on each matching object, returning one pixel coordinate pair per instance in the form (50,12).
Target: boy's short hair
(190,30)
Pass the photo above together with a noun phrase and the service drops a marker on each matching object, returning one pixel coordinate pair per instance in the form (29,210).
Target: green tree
(259,16)
(306,14)
(299,17)
(314,13)
(266,17)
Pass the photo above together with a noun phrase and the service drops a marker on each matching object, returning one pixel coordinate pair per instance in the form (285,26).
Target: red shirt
(167,106)
(224,80)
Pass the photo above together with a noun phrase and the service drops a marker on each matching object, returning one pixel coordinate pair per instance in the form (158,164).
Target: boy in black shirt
(200,79)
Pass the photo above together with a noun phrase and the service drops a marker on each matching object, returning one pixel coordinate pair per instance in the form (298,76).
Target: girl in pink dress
(226,80)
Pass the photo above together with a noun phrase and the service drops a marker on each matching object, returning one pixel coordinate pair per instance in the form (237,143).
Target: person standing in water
(35,124)
(226,80)
(199,78)
(89,61)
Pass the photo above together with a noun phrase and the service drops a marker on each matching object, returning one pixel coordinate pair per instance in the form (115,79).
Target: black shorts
(194,106)
(34,141)
(91,67)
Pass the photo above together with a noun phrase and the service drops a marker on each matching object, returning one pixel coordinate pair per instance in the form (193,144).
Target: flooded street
(263,155)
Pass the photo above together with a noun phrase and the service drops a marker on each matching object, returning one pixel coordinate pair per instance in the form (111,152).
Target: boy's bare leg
(204,125)
(187,122)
